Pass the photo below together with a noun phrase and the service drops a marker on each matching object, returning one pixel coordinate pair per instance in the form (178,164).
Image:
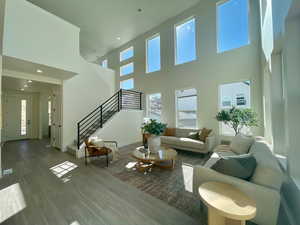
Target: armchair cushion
(241,144)
(204,133)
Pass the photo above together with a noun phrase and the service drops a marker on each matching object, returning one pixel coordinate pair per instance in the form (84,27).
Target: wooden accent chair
(95,151)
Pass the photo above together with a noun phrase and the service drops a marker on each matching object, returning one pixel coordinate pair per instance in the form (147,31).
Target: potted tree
(152,130)
(238,118)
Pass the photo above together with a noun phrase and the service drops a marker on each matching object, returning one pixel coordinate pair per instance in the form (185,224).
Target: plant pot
(154,143)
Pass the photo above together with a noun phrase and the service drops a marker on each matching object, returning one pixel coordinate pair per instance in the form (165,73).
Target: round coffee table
(226,204)
(163,158)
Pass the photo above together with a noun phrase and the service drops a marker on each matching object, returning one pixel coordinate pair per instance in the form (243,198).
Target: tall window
(126,54)
(23,117)
(233,24)
(127,69)
(186,107)
(104,63)
(234,95)
(154,105)
(185,42)
(127,84)
(49,114)
(153,54)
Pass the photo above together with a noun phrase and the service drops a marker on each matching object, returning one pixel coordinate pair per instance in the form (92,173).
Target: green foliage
(154,127)
(238,118)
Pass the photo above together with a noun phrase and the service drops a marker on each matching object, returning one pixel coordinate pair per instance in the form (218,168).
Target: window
(126,54)
(185,42)
(232,24)
(153,54)
(234,95)
(154,106)
(49,114)
(186,105)
(127,69)
(127,84)
(105,63)
(23,117)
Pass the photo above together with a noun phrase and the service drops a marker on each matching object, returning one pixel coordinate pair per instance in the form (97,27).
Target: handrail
(100,115)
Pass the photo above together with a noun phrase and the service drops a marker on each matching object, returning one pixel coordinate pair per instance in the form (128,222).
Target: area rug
(171,186)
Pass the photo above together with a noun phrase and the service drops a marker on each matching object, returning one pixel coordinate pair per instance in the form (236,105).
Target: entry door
(17,117)
(56,120)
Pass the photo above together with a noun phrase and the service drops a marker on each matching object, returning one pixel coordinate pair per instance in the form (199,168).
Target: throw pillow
(204,133)
(171,132)
(241,144)
(194,135)
(242,166)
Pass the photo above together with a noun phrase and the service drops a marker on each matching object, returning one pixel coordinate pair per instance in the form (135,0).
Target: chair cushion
(194,135)
(241,144)
(184,142)
(240,166)
(204,133)
(170,132)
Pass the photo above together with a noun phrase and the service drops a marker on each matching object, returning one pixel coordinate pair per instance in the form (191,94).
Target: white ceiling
(16,84)
(102,21)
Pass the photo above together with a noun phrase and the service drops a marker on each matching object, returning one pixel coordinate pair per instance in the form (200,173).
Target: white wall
(35,35)
(1,122)
(124,127)
(82,94)
(205,74)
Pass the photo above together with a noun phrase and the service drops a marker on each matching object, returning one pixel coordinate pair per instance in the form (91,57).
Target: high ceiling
(102,22)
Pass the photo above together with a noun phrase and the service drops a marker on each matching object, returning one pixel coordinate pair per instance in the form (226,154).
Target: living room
(206,92)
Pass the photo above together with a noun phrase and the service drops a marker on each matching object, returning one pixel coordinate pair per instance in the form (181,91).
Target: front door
(17,117)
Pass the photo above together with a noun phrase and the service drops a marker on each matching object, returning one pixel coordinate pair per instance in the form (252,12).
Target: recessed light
(118,38)
(29,81)
(22,89)
(139,10)
(39,71)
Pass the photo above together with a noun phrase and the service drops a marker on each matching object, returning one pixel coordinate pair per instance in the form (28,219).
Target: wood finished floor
(86,195)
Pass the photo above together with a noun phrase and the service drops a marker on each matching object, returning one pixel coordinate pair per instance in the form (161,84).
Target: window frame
(104,61)
(147,64)
(218,25)
(128,74)
(148,104)
(125,50)
(220,102)
(175,39)
(177,111)
(127,80)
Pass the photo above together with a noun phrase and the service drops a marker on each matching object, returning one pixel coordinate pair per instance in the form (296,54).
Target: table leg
(214,218)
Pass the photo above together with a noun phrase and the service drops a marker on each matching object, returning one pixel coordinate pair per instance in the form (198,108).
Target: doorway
(17,117)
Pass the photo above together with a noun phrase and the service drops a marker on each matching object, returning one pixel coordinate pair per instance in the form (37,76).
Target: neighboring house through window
(154,106)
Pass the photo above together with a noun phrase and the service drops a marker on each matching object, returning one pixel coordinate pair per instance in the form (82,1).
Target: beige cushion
(204,133)
(184,142)
(241,144)
(267,177)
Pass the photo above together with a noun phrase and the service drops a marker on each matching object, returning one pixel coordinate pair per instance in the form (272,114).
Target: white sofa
(264,186)
(182,142)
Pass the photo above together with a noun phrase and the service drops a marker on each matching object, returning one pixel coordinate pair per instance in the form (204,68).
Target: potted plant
(153,129)
(238,118)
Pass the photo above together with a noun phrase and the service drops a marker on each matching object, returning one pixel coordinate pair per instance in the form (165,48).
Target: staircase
(121,100)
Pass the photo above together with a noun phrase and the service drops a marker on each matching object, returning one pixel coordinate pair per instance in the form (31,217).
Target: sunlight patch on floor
(75,223)
(63,168)
(187,171)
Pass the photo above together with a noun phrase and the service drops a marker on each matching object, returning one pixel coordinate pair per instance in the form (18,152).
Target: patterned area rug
(171,186)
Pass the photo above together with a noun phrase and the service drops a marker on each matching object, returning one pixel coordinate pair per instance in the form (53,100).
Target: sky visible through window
(233,25)
(185,42)
(127,84)
(126,54)
(153,54)
(127,69)
(104,63)
(154,106)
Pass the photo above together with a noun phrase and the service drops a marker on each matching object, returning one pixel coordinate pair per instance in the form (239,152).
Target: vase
(154,143)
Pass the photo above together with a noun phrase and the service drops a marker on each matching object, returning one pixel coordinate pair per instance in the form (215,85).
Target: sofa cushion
(171,132)
(181,132)
(268,172)
(184,142)
(241,166)
(241,144)
(204,133)
(216,156)
(194,135)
